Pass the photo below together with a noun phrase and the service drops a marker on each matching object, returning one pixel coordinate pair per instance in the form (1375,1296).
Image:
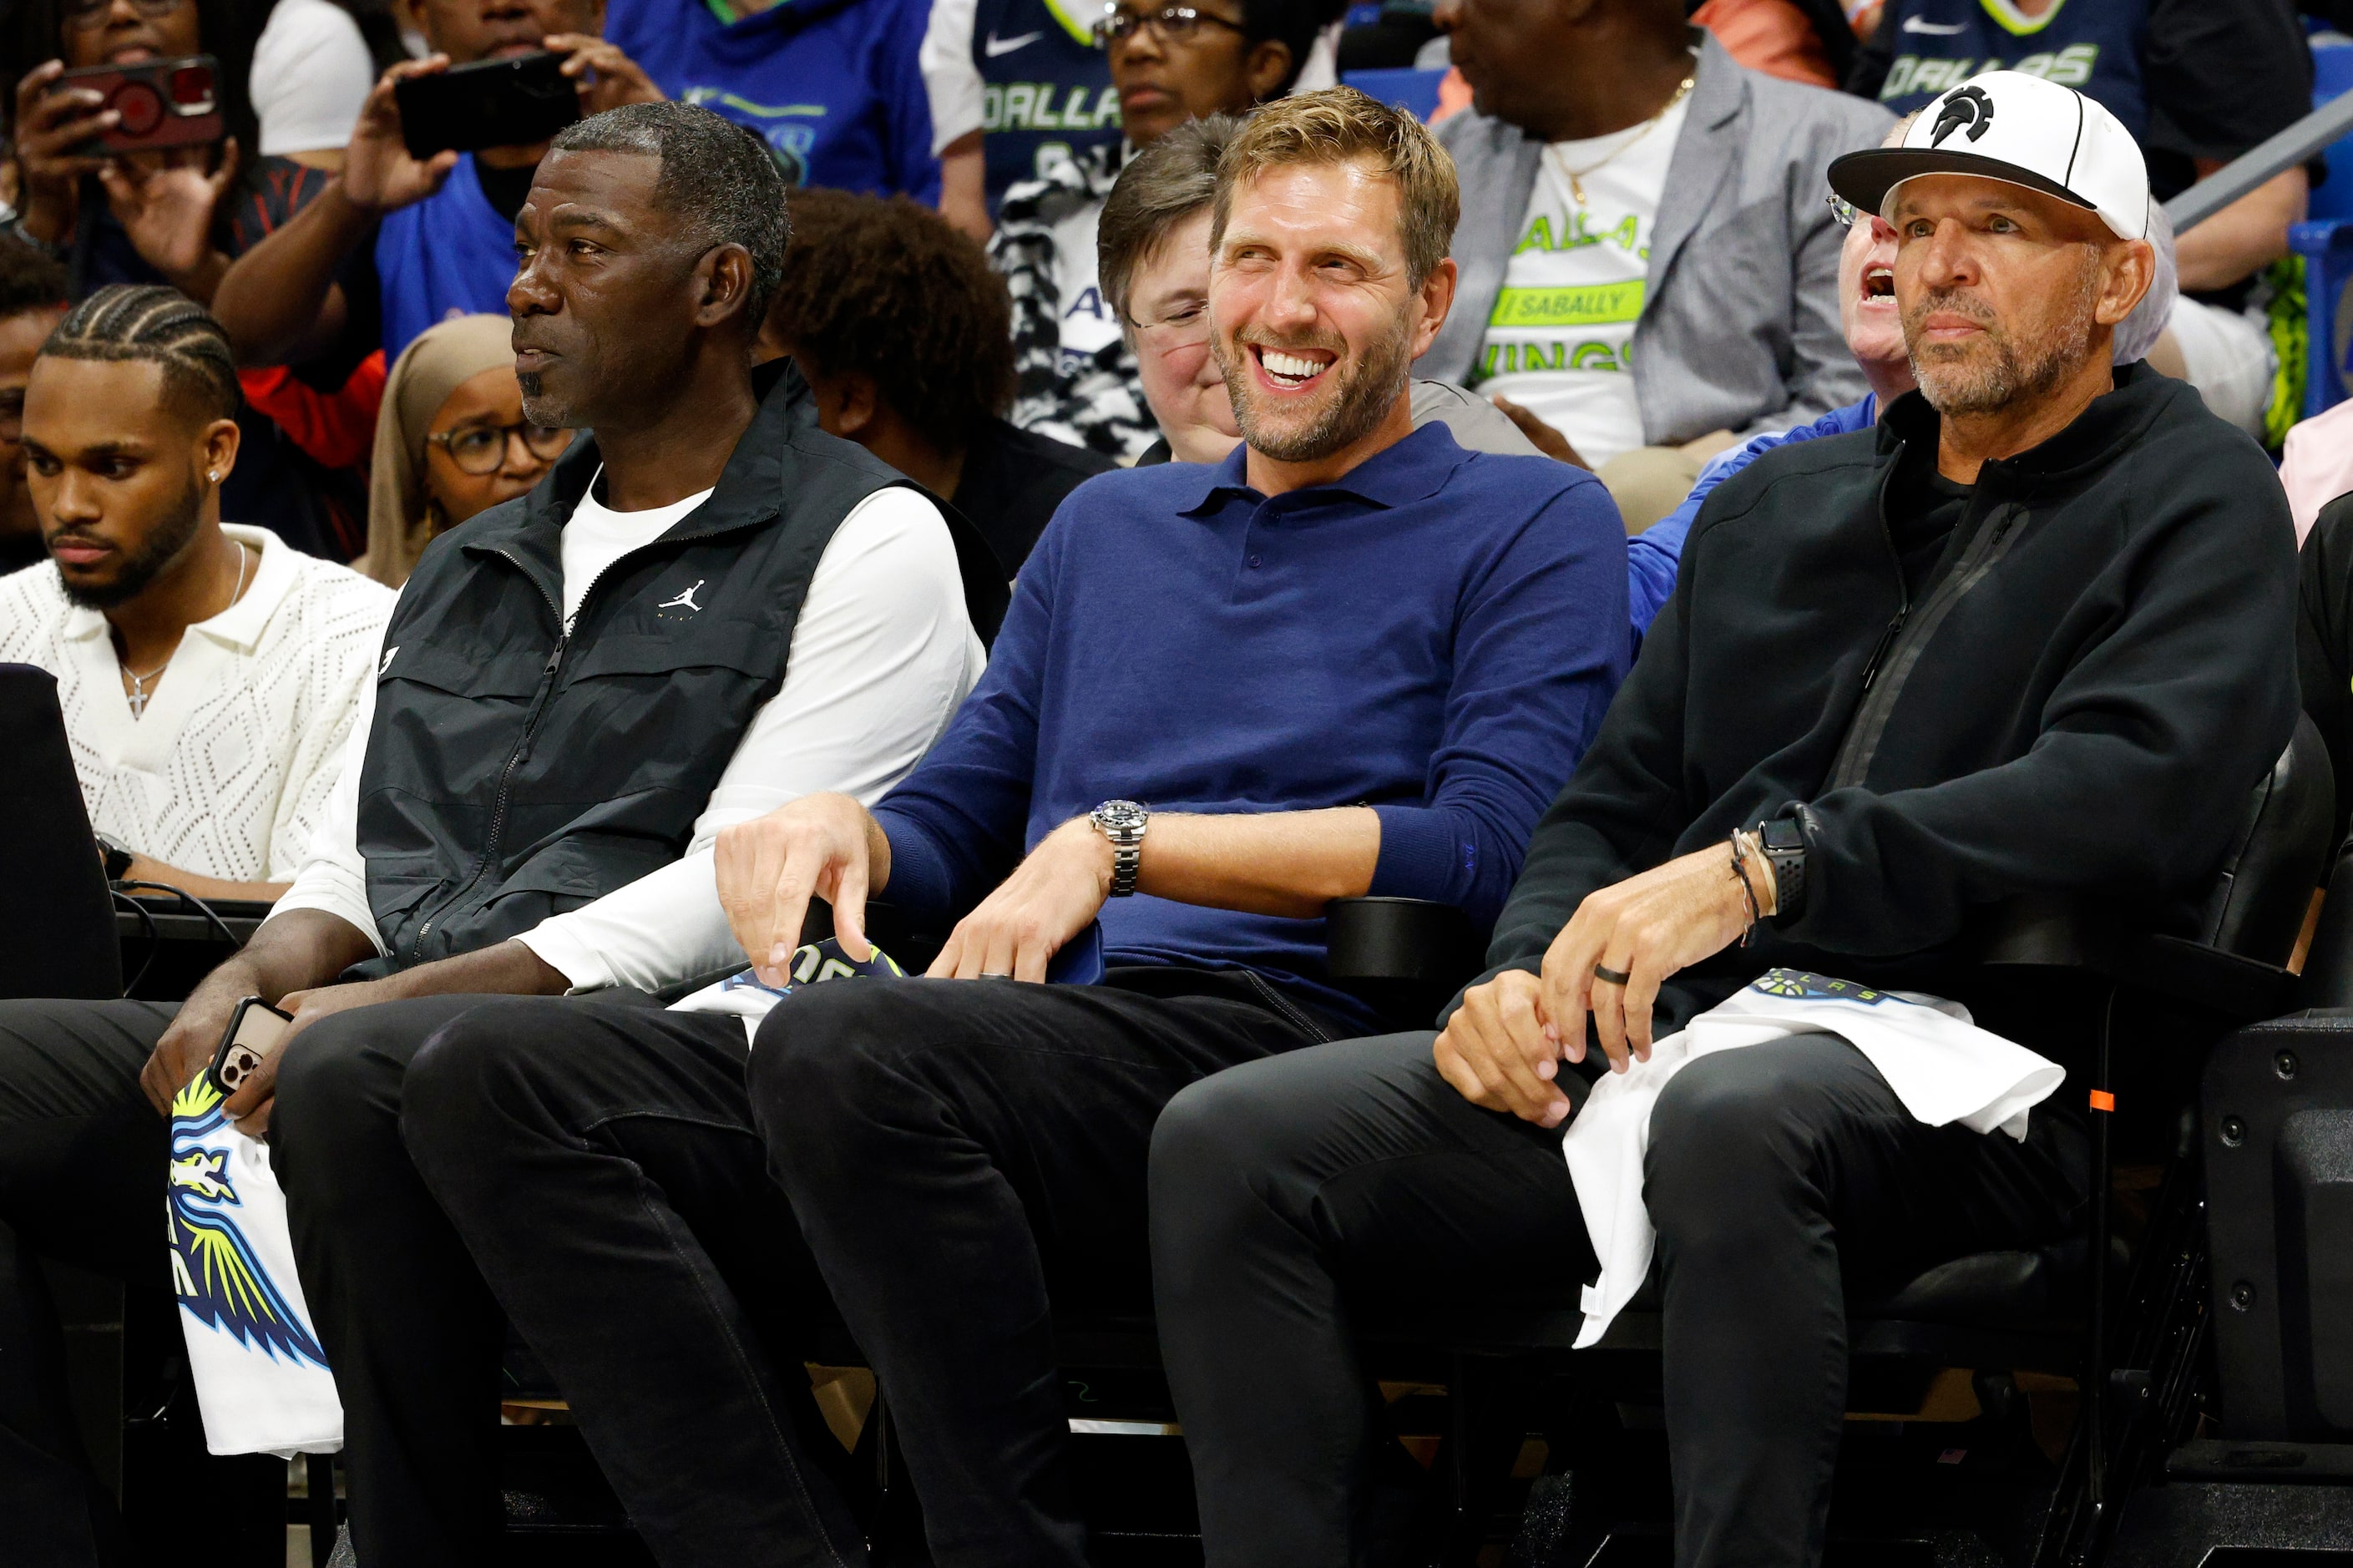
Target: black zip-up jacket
(516,770)
(2099,671)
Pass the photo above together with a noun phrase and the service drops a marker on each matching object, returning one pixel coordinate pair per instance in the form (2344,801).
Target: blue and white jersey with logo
(262,1376)
(834,86)
(1045,87)
(2093,46)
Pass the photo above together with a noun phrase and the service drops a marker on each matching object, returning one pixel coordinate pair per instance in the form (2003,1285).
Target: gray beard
(1360,402)
(2013,376)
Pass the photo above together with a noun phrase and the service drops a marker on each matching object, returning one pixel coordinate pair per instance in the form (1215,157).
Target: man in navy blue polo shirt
(1352,658)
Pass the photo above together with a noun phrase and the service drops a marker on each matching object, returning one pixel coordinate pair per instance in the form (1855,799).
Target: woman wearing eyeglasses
(1171,61)
(451,441)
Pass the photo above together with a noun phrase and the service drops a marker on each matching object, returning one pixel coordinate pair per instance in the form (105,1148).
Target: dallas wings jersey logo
(1799,985)
(221,1283)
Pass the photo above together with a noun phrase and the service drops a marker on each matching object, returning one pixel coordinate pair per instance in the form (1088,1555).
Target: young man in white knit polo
(209,673)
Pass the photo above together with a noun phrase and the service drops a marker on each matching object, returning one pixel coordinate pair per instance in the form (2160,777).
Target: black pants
(411,1333)
(944,1142)
(82,1179)
(601,1163)
(1774,1173)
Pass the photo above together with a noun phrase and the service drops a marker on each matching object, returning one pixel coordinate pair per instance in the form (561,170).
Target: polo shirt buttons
(1253,560)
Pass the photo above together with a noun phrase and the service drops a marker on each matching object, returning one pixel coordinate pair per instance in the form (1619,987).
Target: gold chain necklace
(139,691)
(1575,177)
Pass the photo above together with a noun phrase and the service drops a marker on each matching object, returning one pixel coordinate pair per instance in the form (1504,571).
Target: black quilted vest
(516,771)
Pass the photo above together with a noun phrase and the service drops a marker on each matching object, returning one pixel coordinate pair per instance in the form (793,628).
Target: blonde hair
(1341,125)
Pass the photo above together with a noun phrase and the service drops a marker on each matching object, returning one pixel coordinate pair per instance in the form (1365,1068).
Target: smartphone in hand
(253,1032)
(163,103)
(513,102)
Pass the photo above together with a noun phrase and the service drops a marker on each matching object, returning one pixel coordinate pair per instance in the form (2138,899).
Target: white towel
(262,1377)
(1940,1065)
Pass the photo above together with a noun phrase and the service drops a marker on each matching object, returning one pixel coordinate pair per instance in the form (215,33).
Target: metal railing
(2250,168)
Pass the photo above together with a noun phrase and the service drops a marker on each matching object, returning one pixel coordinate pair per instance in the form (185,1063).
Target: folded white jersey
(1940,1065)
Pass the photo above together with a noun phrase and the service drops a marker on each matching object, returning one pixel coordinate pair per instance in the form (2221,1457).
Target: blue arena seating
(1415,92)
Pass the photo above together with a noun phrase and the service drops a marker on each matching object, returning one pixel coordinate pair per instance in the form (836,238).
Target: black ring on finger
(1602,971)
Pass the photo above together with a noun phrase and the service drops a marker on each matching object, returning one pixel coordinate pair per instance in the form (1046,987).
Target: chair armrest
(2052,934)
(2244,989)
(1401,939)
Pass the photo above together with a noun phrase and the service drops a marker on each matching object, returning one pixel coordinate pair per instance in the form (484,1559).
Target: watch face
(1119,817)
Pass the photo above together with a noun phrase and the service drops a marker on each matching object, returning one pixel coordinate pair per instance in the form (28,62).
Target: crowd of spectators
(905,448)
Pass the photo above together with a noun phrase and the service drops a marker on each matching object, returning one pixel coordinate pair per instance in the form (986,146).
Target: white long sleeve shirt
(882,655)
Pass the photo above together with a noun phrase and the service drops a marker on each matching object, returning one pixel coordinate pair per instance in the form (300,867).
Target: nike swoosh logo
(1942,29)
(996,45)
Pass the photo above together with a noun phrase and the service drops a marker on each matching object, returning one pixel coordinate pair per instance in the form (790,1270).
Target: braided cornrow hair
(149,322)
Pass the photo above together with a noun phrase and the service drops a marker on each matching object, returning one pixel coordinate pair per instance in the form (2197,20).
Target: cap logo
(1968,106)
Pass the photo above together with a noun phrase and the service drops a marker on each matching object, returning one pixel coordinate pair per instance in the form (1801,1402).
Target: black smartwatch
(117,858)
(1785,848)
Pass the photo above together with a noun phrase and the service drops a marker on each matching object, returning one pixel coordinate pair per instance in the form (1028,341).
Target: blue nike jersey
(1043,84)
(2093,46)
(834,86)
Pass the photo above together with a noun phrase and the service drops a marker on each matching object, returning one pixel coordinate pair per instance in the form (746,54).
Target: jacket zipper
(1905,636)
(530,725)
(1903,589)
(514,760)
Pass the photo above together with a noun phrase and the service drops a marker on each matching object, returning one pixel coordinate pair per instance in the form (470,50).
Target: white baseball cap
(2009,126)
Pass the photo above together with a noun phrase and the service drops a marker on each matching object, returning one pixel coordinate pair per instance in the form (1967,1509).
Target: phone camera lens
(141,106)
(192,89)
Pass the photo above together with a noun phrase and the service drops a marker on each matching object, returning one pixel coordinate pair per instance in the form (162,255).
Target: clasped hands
(1504,1046)
(829,846)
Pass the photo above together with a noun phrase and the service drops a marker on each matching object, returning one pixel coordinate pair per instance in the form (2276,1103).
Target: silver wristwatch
(1121,822)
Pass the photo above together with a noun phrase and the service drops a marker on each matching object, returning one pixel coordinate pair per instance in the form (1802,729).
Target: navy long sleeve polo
(1437,636)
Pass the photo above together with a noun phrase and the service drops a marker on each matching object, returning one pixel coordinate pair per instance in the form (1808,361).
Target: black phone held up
(252,1034)
(163,103)
(511,102)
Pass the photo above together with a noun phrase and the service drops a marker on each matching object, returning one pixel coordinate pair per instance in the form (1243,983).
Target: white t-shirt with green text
(1559,339)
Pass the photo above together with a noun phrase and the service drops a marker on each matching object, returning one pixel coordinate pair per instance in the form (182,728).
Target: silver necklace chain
(140,684)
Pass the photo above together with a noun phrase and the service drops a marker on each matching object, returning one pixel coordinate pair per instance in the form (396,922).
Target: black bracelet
(1747,889)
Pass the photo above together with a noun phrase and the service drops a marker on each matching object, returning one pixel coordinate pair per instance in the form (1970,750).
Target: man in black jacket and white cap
(2032,635)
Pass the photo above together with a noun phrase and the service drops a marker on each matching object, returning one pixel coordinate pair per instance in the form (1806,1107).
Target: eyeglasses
(86,14)
(1177,24)
(480,449)
(1844,211)
(1185,325)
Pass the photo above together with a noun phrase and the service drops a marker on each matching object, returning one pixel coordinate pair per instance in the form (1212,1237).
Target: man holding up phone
(429,237)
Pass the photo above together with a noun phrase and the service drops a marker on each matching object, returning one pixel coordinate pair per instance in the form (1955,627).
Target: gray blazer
(1739,329)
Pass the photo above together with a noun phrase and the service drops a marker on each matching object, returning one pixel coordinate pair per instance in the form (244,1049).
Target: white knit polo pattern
(229,770)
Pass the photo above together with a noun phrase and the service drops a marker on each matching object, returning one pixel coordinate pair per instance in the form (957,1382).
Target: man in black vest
(705,609)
